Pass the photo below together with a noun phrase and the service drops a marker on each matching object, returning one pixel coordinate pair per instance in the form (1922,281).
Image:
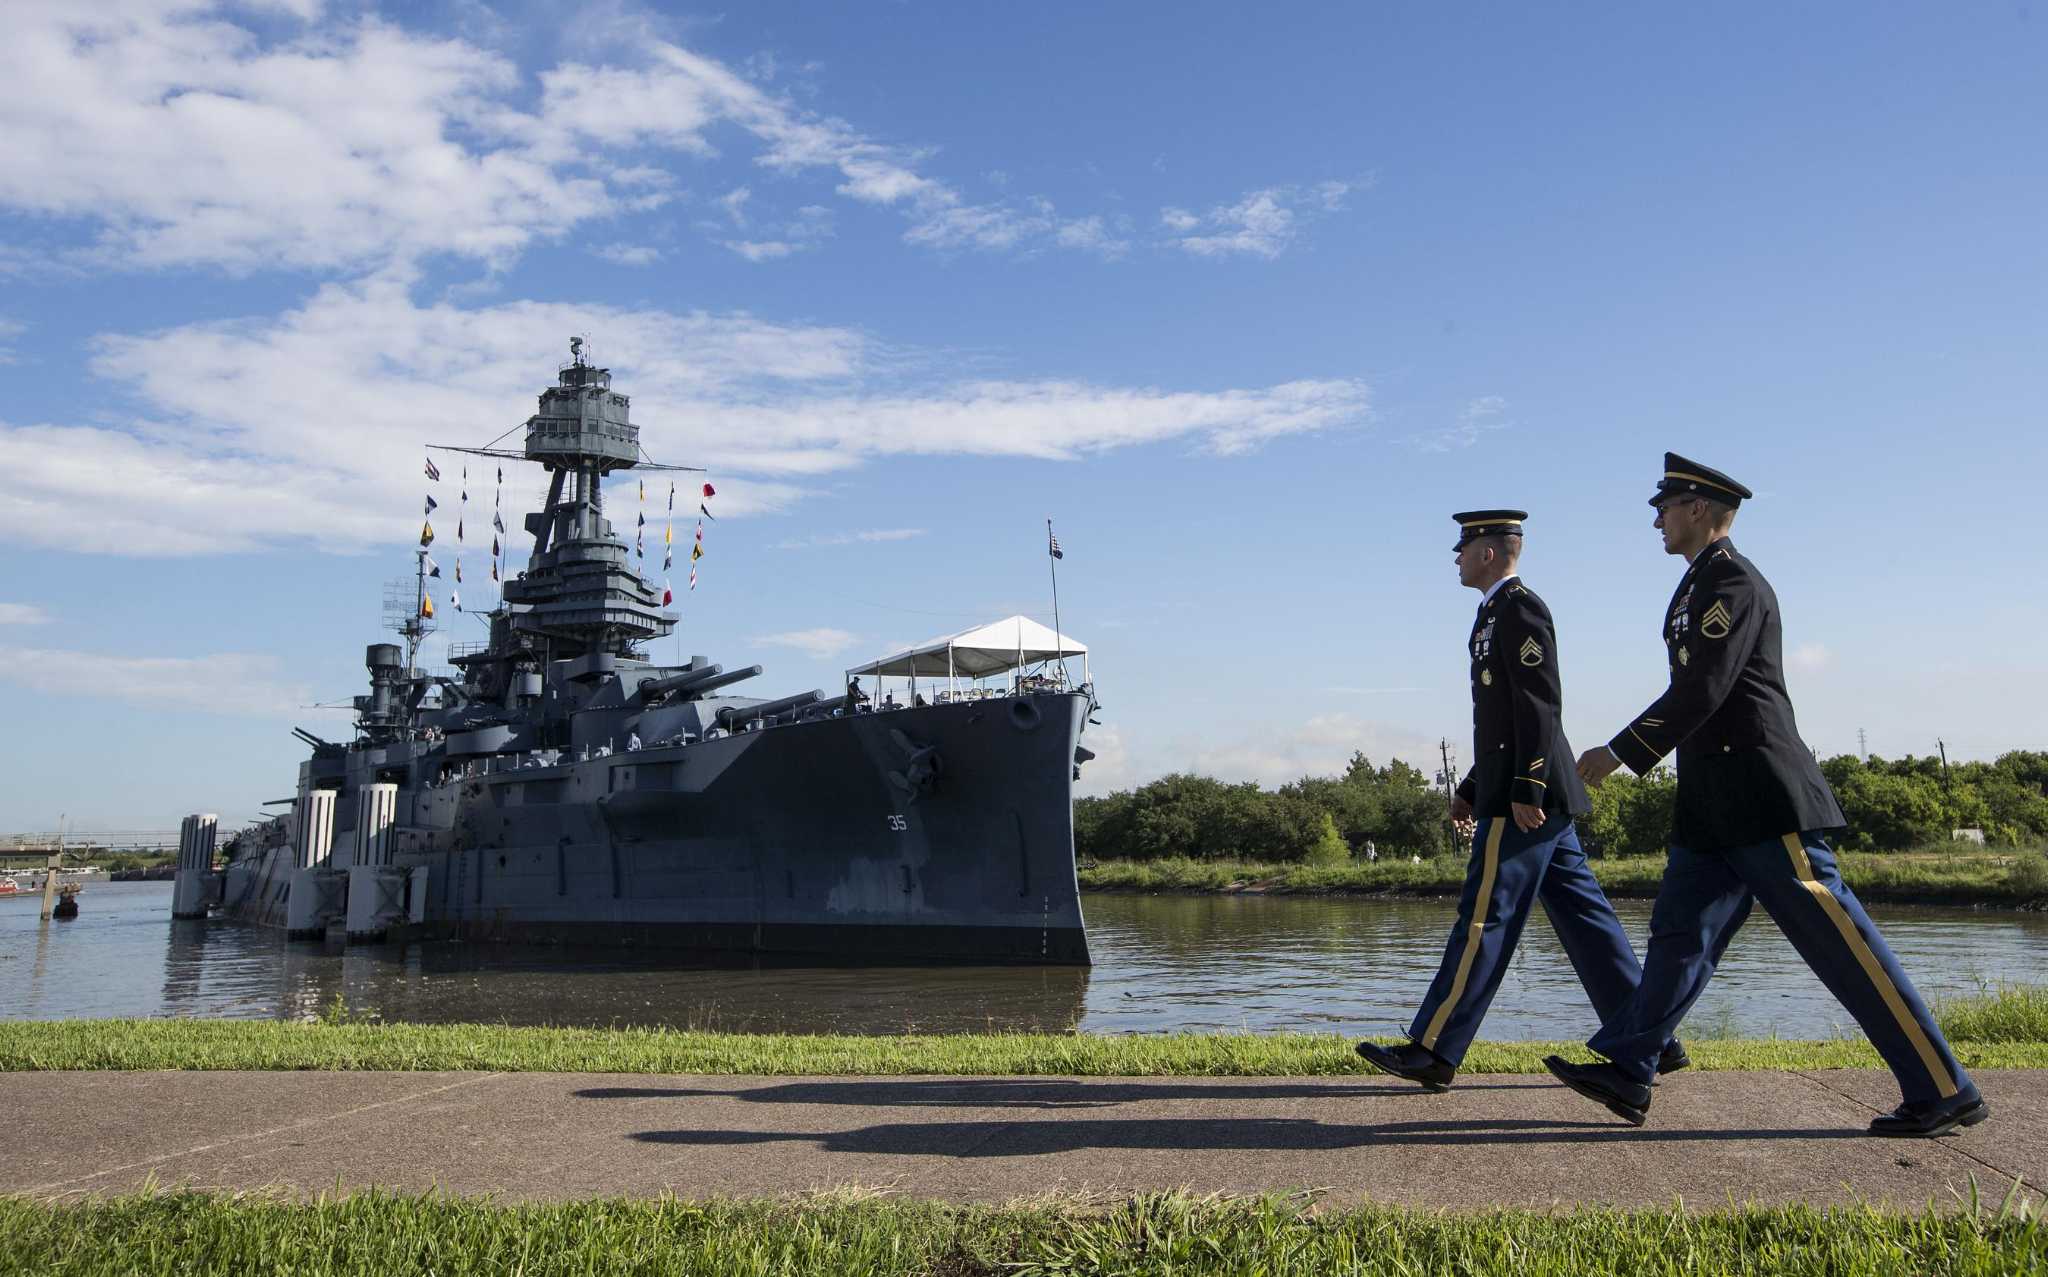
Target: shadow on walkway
(1053,1093)
(1028,1139)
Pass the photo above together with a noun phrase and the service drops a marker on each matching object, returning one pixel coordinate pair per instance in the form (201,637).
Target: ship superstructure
(564,786)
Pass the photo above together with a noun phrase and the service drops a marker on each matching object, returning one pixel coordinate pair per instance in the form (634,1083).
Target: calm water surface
(1162,962)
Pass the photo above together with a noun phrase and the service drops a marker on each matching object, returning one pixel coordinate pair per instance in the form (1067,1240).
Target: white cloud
(761,250)
(256,433)
(228,683)
(734,202)
(867,536)
(9,330)
(1811,658)
(1481,415)
(190,140)
(811,225)
(822,643)
(1274,754)
(1112,768)
(1264,223)
(629,254)
(23,614)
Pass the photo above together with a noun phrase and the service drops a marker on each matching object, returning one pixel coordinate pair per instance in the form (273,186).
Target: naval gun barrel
(722,680)
(767,709)
(654,687)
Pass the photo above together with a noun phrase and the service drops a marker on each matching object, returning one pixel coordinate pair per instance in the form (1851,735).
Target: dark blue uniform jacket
(1744,776)
(1519,753)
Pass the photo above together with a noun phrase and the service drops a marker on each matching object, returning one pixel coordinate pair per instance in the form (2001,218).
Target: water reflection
(1162,963)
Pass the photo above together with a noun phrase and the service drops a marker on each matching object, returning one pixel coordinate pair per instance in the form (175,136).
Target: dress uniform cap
(1685,476)
(1489,523)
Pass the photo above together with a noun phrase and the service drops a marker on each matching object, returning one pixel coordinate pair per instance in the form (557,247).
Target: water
(1261,963)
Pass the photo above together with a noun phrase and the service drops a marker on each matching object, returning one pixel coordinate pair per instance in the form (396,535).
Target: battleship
(555,785)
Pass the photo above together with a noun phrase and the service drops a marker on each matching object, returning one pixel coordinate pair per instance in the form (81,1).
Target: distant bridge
(95,842)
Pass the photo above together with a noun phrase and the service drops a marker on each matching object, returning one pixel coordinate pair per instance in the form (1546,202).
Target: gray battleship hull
(807,839)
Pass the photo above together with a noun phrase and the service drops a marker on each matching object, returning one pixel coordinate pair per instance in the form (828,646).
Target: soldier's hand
(1596,764)
(1528,819)
(1461,811)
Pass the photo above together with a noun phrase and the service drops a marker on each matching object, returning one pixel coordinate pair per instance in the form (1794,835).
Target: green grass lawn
(2007,1029)
(376,1234)
(2006,879)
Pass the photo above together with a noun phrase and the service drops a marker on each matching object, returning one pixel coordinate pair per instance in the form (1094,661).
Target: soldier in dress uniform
(1524,794)
(1750,824)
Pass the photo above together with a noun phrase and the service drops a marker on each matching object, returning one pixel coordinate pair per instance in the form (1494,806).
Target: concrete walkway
(1491,1141)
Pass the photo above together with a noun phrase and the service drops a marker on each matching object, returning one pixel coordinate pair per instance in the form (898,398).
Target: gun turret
(715,682)
(767,709)
(651,689)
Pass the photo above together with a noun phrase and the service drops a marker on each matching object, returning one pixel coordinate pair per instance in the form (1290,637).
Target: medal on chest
(1681,616)
(1482,642)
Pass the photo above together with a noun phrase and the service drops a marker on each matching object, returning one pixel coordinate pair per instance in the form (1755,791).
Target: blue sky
(1248,305)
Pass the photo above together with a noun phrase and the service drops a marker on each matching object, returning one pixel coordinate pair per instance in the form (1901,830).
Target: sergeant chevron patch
(1532,652)
(1717,622)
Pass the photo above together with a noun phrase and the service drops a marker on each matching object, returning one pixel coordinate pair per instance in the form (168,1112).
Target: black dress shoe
(1671,1059)
(1606,1084)
(1924,1118)
(1415,1063)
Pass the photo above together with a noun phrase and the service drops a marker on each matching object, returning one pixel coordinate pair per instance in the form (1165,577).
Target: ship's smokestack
(384,661)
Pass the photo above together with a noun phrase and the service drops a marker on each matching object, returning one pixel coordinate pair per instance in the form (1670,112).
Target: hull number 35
(898,824)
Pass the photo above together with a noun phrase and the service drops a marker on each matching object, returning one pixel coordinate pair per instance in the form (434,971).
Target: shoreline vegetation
(2002,1029)
(2016,879)
(856,1231)
(1396,810)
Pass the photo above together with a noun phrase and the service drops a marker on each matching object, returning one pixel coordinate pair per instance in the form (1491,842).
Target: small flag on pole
(427,606)
(668,595)
(432,504)
(458,569)
(456,599)
(498,522)
(710,491)
(671,498)
(426,534)
(1053,545)
(706,513)
(696,552)
(433,472)
(433,568)
(494,547)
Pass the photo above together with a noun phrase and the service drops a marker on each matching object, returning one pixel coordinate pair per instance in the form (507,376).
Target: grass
(2007,879)
(377,1233)
(2002,1029)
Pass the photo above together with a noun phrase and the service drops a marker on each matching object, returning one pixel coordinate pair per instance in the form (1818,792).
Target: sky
(1246,303)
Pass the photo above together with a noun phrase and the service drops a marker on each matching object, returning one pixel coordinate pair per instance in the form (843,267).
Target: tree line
(1891,805)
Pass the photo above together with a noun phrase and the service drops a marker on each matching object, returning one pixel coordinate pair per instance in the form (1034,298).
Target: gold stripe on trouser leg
(1491,863)
(1803,866)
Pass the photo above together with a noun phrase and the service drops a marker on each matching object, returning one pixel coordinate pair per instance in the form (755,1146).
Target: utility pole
(1862,746)
(50,874)
(1948,810)
(1443,777)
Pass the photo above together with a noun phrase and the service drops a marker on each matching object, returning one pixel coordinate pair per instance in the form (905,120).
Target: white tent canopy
(995,648)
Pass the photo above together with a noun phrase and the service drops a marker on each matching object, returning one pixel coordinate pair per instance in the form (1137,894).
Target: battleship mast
(579,594)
